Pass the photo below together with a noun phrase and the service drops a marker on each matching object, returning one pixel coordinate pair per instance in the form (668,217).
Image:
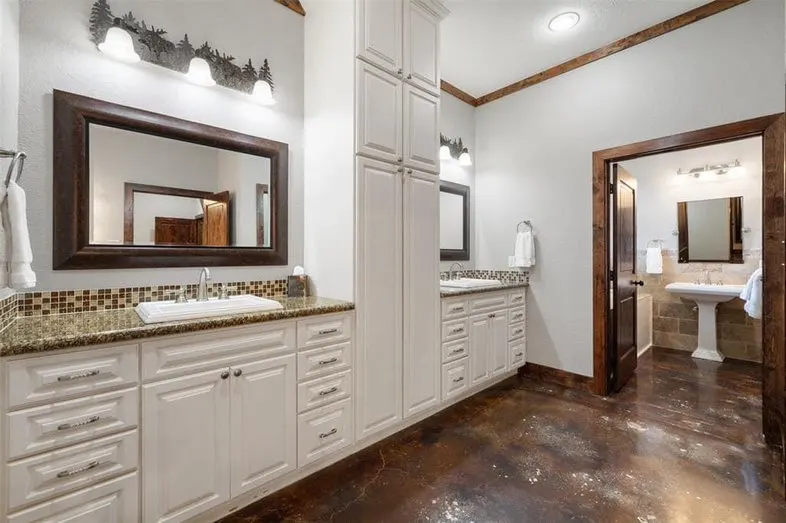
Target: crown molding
(294,5)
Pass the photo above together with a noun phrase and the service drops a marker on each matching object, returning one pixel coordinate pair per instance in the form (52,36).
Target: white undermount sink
(469,283)
(162,311)
(707,298)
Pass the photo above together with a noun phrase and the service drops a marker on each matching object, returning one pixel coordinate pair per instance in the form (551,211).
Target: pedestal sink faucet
(204,277)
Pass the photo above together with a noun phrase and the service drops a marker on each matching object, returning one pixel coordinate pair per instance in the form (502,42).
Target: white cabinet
(498,346)
(185,446)
(379,33)
(479,342)
(421,130)
(378,114)
(421,292)
(421,46)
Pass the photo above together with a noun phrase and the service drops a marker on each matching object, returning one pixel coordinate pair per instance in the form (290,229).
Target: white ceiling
(488,44)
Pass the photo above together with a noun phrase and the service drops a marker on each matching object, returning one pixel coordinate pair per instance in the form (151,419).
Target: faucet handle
(179,295)
(224,290)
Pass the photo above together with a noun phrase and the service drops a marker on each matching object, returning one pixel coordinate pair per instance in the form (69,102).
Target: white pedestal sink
(707,297)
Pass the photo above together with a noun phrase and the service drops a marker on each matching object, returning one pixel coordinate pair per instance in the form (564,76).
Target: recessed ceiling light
(564,21)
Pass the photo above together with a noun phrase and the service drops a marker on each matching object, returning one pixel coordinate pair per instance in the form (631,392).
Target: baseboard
(557,376)
(644,351)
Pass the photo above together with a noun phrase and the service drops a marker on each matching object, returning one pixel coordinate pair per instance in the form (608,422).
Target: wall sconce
(721,168)
(118,45)
(454,149)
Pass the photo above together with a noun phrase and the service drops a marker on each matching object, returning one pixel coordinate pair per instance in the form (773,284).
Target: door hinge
(611,188)
(611,275)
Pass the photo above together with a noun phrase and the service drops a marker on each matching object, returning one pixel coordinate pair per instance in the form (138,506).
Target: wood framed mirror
(136,189)
(454,222)
(710,231)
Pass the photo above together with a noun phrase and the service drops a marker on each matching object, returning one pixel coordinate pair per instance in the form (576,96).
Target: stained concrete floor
(680,443)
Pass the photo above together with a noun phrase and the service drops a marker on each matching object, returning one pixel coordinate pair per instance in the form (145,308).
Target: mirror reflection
(148,190)
(710,230)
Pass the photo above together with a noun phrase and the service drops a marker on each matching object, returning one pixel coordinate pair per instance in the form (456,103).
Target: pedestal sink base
(708,340)
(708,354)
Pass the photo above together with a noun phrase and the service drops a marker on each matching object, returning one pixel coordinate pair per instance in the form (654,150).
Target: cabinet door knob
(400,72)
(225,375)
(238,372)
(409,76)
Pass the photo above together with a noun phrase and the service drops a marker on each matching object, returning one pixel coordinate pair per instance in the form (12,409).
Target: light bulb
(118,45)
(564,21)
(263,93)
(444,152)
(465,159)
(199,73)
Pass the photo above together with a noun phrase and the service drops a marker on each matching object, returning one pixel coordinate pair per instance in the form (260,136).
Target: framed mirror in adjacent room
(710,230)
(454,222)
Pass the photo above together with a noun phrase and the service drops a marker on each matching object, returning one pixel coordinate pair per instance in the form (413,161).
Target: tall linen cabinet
(372,147)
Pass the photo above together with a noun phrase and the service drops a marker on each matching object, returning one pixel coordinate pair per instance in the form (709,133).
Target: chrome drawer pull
(458,330)
(73,472)
(328,433)
(457,309)
(328,331)
(459,379)
(88,421)
(457,351)
(517,332)
(518,316)
(519,354)
(517,298)
(79,375)
(329,361)
(326,392)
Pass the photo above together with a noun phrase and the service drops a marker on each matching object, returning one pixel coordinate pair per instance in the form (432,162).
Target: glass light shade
(263,93)
(465,159)
(199,73)
(118,45)
(444,152)
(564,21)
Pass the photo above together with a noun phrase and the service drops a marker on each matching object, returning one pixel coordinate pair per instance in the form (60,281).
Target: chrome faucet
(204,277)
(707,278)
(450,271)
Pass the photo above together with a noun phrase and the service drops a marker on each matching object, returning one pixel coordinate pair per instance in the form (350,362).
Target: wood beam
(295,5)
(458,93)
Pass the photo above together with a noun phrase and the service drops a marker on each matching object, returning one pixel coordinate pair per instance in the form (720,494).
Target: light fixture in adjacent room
(564,21)
(199,73)
(119,45)
(464,158)
(263,93)
(719,169)
(444,152)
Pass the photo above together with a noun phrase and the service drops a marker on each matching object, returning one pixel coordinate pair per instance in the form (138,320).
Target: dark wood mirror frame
(73,115)
(458,254)
(735,233)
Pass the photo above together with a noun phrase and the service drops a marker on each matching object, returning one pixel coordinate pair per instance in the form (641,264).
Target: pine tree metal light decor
(152,46)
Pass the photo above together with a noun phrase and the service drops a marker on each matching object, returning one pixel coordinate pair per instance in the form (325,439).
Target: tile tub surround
(33,334)
(503,276)
(675,322)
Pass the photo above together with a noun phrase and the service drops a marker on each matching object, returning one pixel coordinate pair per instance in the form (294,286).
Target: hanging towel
(752,295)
(524,253)
(654,260)
(3,243)
(20,253)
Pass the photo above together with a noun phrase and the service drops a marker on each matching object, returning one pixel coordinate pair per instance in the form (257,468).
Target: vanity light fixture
(464,158)
(564,21)
(199,73)
(444,152)
(263,93)
(118,45)
(718,169)
(454,149)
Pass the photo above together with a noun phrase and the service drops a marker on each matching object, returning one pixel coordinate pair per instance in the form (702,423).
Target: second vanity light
(454,149)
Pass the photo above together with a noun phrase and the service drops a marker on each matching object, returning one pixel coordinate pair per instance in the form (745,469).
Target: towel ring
(655,243)
(18,157)
(526,223)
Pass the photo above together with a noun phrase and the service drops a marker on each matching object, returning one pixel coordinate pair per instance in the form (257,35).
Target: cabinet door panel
(498,351)
(421,293)
(421,47)
(263,416)
(479,340)
(185,446)
(378,114)
(378,33)
(421,130)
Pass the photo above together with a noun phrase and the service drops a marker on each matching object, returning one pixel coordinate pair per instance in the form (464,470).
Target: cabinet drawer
(517,298)
(518,315)
(489,303)
(454,309)
(454,330)
(324,431)
(319,362)
(518,354)
(326,330)
(455,378)
(114,501)
(179,355)
(517,331)
(324,390)
(51,378)
(68,422)
(47,475)
(455,350)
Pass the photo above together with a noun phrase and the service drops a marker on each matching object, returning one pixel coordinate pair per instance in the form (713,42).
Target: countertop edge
(481,290)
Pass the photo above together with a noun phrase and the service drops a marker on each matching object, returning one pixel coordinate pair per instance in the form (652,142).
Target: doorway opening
(615,253)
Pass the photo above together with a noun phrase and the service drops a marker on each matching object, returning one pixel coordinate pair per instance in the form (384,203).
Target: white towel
(21,255)
(752,295)
(654,260)
(524,252)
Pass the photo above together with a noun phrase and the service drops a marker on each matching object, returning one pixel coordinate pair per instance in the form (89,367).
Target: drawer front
(489,302)
(517,331)
(115,501)
(51,378)
(179,355)
(518,315)
(455,330)
(518,354)
(324,431)
(455,350)
(454,308)
(48,475)
(68,422)
(322,391)
(324,330)
(327,360)
(455,378)
(517,298)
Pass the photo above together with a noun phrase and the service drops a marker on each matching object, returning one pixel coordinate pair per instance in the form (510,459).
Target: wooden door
(422,358)
(378,114)
(380,296)
(479,338)
(185,446)
(379,32)
(421,47)
(421,130)
(264,420)
(175,231)
(625,283)
(498,343)
(215,229)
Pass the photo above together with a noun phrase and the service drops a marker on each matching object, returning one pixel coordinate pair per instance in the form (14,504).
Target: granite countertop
(447,292)
(58,331)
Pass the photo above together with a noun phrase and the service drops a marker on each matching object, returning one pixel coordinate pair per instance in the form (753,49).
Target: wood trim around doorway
(771,128)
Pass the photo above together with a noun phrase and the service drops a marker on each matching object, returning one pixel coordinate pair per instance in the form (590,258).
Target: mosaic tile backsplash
(8,311)
(503,276)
